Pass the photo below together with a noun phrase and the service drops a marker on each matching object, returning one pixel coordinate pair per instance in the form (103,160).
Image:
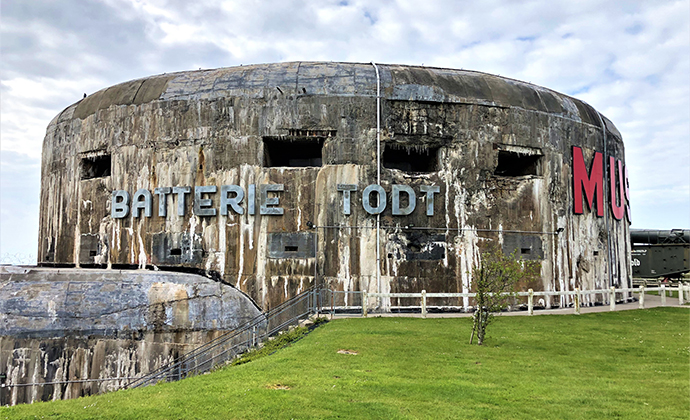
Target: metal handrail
(203,359)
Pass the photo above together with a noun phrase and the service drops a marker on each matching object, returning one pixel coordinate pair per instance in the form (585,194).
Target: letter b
(120,204)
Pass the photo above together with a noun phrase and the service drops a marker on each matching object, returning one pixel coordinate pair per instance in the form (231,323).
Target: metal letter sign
(411,204)
(380,201)
(346,189)
(232,198)
(430,190)
(268,203)
(234,202)
(162,200)
(120,204)
(592,183)
(202,206)
(139,204)
(617,209)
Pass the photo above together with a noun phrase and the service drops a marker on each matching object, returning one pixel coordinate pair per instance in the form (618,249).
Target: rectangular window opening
(176,251)
(291,245)
(517,164)
(410,158)
(528,247)
(95,167)
(293,153)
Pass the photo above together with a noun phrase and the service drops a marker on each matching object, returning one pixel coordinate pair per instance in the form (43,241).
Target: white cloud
(29,104)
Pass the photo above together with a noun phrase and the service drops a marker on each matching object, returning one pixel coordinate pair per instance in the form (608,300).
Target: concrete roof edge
(117,94)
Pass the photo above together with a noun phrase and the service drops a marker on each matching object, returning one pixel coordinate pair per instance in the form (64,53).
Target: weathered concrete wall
(68,324)
(208,128)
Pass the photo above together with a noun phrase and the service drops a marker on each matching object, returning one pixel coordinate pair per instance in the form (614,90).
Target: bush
(494,279)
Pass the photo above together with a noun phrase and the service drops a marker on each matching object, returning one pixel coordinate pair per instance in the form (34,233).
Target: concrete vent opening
(95,167)
(410,158)
(303,153)
(517,164)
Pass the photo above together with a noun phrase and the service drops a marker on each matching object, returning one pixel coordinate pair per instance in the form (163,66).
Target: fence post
(641,296)
(612,299)
(663,295)
(312,303)
(365,303)
(530,302)
(423,303)
(685,290)
(680,293)
(315,301)
(577,300)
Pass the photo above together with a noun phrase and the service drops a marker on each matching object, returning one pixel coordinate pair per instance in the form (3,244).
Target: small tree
(495,278)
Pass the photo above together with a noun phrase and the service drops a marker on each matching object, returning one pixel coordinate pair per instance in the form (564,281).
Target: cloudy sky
(629,59)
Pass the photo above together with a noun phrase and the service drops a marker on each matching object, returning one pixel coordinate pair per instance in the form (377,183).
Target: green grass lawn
(628,364)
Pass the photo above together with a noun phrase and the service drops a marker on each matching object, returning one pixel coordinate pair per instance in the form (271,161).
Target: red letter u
(617,209)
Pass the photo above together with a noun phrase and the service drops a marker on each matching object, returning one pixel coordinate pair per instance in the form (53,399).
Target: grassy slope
(629,364)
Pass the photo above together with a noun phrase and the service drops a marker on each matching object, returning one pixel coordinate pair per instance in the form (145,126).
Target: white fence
(682,289)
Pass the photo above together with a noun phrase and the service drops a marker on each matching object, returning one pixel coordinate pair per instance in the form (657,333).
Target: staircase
(229,345)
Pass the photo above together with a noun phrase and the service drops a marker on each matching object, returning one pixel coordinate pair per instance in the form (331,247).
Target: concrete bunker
(272,178)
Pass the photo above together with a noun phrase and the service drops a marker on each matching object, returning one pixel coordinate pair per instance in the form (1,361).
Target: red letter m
(592,183)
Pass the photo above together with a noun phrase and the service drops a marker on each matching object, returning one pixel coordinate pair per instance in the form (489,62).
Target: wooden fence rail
(682,289)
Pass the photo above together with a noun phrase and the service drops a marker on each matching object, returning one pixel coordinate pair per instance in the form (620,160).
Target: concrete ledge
(51,302)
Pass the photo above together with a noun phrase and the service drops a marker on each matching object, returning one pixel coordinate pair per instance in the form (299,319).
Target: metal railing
(229,345)
(341,300)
